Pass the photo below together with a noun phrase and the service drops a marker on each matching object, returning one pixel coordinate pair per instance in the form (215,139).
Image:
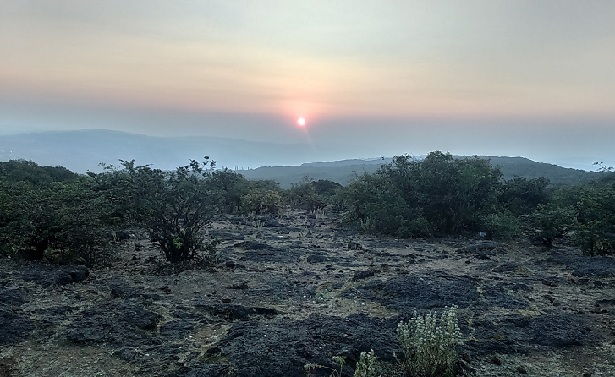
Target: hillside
(84,150)
(344,171)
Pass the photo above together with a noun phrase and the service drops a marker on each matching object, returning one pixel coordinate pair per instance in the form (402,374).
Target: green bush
(262,202)
(64,217)
(367,365)
(174,207)
(429,344)
(595,227)
(440,195)
(501,225)
(304,196)
(30,172)
(232,187)
(521,196)
(586,213)
(552,221)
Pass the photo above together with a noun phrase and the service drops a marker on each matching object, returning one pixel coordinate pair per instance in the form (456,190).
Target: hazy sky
(533,77)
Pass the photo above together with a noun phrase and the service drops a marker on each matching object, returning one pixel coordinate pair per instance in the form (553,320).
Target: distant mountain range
(346,170)
(84,150)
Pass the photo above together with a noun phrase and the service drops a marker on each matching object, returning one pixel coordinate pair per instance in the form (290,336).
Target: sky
(519,77)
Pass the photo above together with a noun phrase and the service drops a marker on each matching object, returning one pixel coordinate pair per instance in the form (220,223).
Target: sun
(301,121)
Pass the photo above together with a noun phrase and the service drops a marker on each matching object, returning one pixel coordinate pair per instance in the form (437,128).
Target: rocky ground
(299,290)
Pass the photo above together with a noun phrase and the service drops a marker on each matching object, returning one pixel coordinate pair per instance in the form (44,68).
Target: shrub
(595,227)
(521,196)
(587,213)
(174,207)
(304,196)
(366,365)
(67,217)
(30,172)
(440,195)
(552,221)
(501,225)
(232,187)
(429,343)
(262,202)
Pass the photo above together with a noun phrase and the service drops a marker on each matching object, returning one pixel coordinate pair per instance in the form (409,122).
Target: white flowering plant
(430,344)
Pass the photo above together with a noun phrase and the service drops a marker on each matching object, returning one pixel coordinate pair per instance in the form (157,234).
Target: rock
(12,296)
(272,223)
(223,235)
(205,370)
(122,235)
(234,312)
(354,246)
(121,323)
(481,249)
(503,295)
(518,334)
(69,275)
(6,367)
(121,289)
(282,347)
(143,319)
(272,255)
(479,246)
(409,292)
(179,328)
(316,258)
(47,276)
(240,285)
(15,325)
(253,245)
(586,266)
(506,267)
(521,370)
(364,274)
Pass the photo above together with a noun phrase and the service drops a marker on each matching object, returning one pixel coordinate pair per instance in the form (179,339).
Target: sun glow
(301,121)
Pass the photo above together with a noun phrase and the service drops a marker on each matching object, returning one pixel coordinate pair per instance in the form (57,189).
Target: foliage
(501,225)
(520,196)
(66,217)
(339,361)
(310,195)
(439,195)
(551,222)
(174,207)
(30,172)
(586,213)
(367,365)
(232,187)
(261,201)
(595,229)
(429,343)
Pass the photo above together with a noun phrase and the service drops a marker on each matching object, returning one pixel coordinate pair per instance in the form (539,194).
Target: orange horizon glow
(336,60)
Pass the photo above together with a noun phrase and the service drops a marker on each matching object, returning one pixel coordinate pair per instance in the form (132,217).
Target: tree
(66,217)
(174,207)
(440,195)
(521,196)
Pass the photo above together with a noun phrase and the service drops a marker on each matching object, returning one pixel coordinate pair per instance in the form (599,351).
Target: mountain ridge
(84,150)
